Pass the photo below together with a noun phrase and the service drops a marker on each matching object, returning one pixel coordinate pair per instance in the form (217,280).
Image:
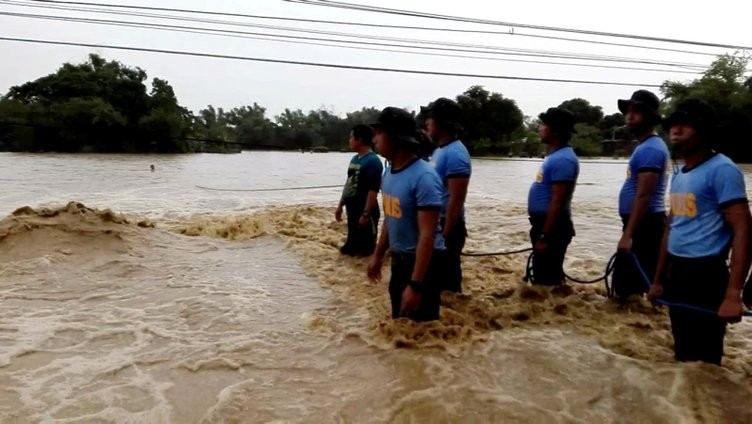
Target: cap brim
(624,105)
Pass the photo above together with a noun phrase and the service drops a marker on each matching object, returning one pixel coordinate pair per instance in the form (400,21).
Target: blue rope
(646,280)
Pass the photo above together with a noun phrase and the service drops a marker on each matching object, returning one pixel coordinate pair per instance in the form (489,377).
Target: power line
(266,37)
(323,65)
(424,43)
(368,24)
(402,12)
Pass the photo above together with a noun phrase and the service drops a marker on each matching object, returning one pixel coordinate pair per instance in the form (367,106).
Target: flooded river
(131,296)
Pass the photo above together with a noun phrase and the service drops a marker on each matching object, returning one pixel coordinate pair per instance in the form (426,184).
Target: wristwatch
(543,237)
(417,286)
(365,214)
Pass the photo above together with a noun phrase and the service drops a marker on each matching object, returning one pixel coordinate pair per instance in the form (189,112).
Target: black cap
(645,100)
(559,119)
(445,111)
(398,123)
(697,113)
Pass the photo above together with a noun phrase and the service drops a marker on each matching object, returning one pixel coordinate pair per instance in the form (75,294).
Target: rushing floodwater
(234,306)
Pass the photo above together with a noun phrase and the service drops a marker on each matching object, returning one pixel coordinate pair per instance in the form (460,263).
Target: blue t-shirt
(698,197)
(650,156)
(406,191)
(451,160)
(561,166)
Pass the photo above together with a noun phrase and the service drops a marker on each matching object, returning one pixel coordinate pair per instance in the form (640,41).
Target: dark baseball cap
(559,119)
(398,123)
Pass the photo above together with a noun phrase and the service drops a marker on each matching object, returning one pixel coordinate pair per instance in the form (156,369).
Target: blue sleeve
(563,171)
(428,192)
(458,166)
(728,184)
(650,160)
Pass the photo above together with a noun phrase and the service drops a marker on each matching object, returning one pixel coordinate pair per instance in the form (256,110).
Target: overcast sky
(228,83)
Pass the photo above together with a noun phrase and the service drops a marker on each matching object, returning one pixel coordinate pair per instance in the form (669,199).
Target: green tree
(583,111)
(100,106)
(587,141)
(725,86)
(489,120)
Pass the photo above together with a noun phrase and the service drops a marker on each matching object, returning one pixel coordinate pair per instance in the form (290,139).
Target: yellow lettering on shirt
(684,204)
(392,207)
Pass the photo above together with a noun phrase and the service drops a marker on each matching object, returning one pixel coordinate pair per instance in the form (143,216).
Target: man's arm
(428,220)
(377,260)
(656,288)
(560,193)
(738,218)
(383,244)
(457,195)
(647,182)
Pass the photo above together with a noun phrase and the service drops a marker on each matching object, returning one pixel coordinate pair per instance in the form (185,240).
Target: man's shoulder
(566,154)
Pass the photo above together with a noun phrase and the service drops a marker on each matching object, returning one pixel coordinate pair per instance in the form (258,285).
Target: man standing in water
(550,197)
(360,194)
(642,204)
(412,203)
(709,216)
(452,162)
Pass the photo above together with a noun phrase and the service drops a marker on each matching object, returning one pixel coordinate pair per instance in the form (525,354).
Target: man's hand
(364,221)
(731,309)
(338,214)
(374,268)
(655,292)
(625,244)
(410,301)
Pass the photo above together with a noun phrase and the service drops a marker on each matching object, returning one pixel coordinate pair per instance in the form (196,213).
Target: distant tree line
(105,106)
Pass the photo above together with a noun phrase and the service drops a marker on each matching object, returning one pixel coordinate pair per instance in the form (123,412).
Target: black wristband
(365,214)
(417,286)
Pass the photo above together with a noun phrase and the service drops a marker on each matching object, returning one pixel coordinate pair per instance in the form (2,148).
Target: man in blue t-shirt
(642,200)
(412,204)
(452,162)
(709,216)
(360,194)
(550,197)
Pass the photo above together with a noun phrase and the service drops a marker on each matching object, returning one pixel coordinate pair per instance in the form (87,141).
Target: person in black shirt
(360,195)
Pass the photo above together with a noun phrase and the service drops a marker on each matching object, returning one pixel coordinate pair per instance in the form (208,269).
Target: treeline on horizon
(106,106)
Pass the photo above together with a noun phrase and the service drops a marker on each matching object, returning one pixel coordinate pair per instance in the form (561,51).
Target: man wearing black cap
(550,197)
(642,201)
(709,216)
(452,162)
(412,203)
(360,194)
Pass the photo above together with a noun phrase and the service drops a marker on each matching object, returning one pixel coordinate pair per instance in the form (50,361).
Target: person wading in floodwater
(452,162)
(709,216)
(550,198)
(360,195)
(412,203)
(642,200)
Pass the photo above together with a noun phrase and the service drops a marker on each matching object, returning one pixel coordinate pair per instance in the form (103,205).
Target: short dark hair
(364,133)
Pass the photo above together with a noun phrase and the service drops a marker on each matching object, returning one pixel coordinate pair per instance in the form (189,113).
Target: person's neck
(445,139)
(402,159)
(643,135)
(554,146)
(692,159)
(364,151)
